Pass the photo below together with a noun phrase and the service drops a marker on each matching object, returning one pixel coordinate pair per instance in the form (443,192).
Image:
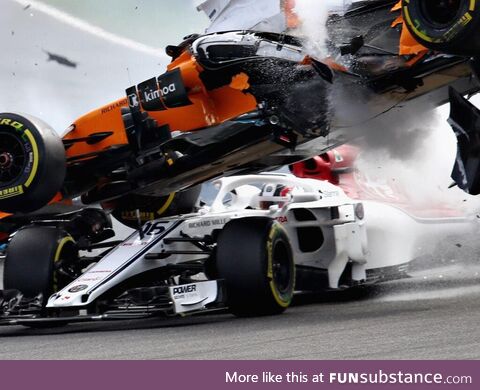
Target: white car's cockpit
(269,192)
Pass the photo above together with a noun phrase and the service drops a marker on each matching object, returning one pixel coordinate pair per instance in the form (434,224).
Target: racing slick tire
(32,163)
(32,258)
(255,258)
(449,26)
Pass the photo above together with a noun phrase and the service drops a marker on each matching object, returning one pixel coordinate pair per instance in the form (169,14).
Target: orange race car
(238,102)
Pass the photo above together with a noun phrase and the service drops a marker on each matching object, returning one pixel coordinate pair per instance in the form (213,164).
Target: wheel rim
(281,266)
(441,13)
(12,158)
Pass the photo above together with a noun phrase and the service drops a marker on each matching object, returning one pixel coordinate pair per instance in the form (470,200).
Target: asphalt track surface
(433,315)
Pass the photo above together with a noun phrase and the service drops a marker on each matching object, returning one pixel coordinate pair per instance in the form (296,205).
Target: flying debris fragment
(61,60)
(465,121)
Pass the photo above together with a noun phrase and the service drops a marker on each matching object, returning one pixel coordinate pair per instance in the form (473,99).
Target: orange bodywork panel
(208,108)
(408,44)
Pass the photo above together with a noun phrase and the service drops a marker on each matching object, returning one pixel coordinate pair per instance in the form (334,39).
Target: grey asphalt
(433,315)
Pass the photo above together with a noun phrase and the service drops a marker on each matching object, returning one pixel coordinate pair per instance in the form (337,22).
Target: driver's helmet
(273,194)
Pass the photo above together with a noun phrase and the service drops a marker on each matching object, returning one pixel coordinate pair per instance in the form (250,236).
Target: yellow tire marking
(11,192)
(167,204)
(408,20)
(35,158)
(273,287)
(464,20)
(58,252)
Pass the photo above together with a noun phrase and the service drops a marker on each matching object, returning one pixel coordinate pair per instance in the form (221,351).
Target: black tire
(31,258)
(154,207)
(32,163)
(450,26)
(255,259)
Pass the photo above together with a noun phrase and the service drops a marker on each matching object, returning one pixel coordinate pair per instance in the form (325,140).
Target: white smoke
(417,158)
(417,162)
(313,15)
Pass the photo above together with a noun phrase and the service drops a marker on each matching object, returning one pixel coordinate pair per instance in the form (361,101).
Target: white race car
(263,237)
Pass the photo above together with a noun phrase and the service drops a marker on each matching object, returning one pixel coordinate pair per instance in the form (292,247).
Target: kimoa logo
(184,289)
(168,89)
(153,95)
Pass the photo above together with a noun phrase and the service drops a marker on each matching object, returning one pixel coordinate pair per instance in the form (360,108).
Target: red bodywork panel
(338,167)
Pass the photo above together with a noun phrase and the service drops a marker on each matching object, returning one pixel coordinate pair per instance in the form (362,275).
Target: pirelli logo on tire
(9,122)
(11,192)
